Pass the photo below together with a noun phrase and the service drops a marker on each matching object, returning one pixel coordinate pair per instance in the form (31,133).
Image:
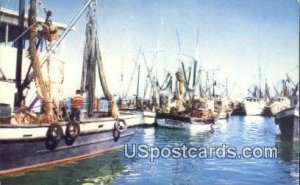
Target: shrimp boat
(279,104)
(183,122)
(179,117)
(287,99)
(30,140)
(137,106)
(254,106)
(222,107)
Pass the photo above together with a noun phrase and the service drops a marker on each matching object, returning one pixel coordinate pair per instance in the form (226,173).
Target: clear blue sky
(234,36)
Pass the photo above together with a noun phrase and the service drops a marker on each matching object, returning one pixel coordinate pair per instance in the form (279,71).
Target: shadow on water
(97,170)
(288,151)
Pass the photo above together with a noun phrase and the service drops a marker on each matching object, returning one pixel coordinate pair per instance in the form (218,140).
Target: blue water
(114,168)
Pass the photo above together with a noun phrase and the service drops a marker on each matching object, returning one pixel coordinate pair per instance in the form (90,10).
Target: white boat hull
(277,107)
(171,123)
(149,117)
(39,132)
(144,117)
(254,109)
(182,122)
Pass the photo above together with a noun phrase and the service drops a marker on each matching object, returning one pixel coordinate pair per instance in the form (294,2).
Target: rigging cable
(23,33)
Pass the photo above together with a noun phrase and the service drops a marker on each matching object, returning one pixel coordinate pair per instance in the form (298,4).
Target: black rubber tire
(69,141)
(50,145)
(55,133)
(120,128)
(116,135)
(72,130)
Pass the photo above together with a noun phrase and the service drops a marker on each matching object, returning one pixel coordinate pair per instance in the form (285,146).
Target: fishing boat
(253,106)
(183,122)
(286,98)
(30,140)
(288,122)
(279,104)
(288,118)
(140,106)
(222,107)
(147,118)
(201,120)
(182,117)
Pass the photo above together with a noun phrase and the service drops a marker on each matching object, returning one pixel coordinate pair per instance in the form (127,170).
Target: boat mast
(89,60)
(138,86)
(195,73)
(43,86)
(20,47)
(151,78)
(92,57)
(29,77)
(226,87)
(259,76)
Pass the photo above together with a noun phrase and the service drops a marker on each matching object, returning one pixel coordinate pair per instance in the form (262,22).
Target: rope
(114,110)
(131,79)
(188,88)
(169,85)
(162,88)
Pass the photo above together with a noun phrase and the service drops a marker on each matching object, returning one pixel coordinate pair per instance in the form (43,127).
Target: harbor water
(238,131)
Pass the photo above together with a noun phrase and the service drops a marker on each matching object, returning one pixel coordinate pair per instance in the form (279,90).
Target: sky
(234,38)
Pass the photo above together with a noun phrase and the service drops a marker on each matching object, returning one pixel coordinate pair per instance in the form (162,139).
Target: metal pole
(259,78)
(226,87)
(20,45)
(6,34)
(195,71)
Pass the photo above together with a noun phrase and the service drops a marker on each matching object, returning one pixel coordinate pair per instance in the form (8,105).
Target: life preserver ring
(53,136)
(120,125)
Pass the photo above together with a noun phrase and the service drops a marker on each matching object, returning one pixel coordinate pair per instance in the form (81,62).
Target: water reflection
(149,135)
(178,137)
(238,131)
(288,150)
